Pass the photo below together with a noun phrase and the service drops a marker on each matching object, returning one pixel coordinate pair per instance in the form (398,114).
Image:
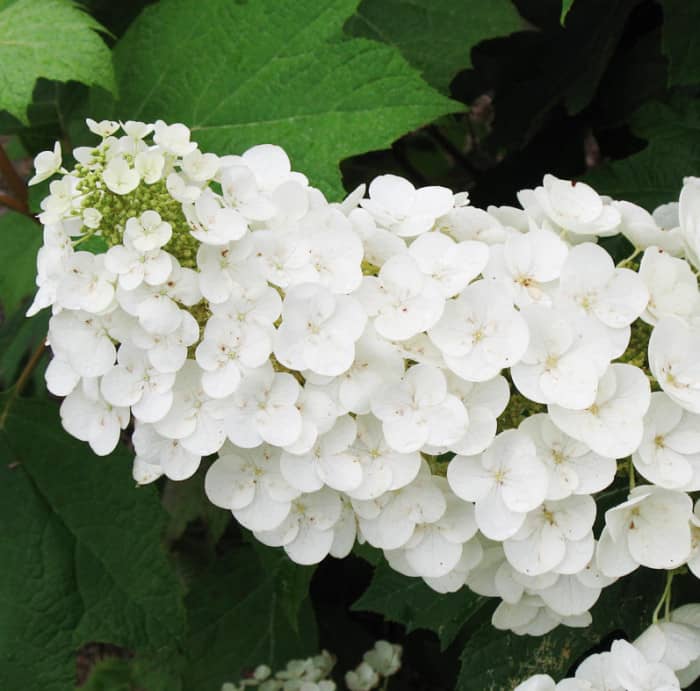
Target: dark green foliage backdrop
(116,588)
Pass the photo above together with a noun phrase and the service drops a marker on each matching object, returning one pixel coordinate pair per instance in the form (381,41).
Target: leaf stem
(630,469)
(22,381)
(630,259)
(665,600)
(12,203)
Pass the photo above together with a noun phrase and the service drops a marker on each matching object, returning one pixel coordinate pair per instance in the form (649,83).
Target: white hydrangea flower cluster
(665,657)
(312,674)
(451,385)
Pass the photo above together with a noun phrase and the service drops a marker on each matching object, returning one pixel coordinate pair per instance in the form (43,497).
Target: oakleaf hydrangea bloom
(451,385)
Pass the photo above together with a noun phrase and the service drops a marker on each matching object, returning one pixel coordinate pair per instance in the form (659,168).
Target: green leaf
(271,71)
(654,176)
(20,239)
(435,36)
(53,39)
(249,609)
(409,601)
(495,660)
(85,553)
(679,41)
(565,8)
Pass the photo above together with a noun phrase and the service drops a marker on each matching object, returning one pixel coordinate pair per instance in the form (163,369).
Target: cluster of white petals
(664,658)
(451,385)
(313,673)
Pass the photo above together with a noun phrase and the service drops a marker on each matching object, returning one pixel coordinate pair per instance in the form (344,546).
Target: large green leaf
(409,601)
(436,36)
(494,660)
(81,553)
(53,39)
(271,71)
(681,19)
(251,608)
(655,175)
(20,239)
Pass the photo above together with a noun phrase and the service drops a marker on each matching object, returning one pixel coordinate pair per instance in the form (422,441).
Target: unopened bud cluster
(449,384)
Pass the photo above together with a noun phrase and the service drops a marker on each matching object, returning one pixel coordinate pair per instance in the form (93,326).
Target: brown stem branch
(12,203)
(17,186)
(22,380)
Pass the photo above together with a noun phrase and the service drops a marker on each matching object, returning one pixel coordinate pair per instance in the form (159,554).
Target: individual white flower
(564,360)
(402,300)
(672,286)
(91,218)
(328,462)
(675,643)
(60,202)
(318,330)
(484,403)
(319,411)
(651,528)
(398,206)
(262,409)
(120,177)
(419,410)
(480,332)
(153,306)
(147,232)
(384,657)
(283,258)
(635,673)
(673,348)
(168,352)
(135,382)
(362,678)
(162,455)
(469,223)
(307,533)
(104,128)
(271,167)
(451,265)
(376,363)
(133,267)
(227,349)
(200,167)
(644,230)
(383,469)
(551,533)
(689,218)
(46,164)
(82,340)
(472,555)
(335,251)
(211,222)
(590,284)
(93,420)
(149,165)
(506,482)
(241,192)
(612,425)
(390,521)
(527,265)
(436,548)
(86,283)
(249,483)
(379,244)
(181,190)
(194,418)
(174,138)
(574,207)
(573,468)
(224,271)
(669,455)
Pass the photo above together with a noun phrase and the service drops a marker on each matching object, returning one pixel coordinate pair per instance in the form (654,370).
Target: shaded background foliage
(113,588)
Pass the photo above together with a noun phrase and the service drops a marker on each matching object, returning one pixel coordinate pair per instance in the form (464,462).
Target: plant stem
(15,183)
(22,381)
(630,466)
(665,599)
(12,203)
(630,259)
